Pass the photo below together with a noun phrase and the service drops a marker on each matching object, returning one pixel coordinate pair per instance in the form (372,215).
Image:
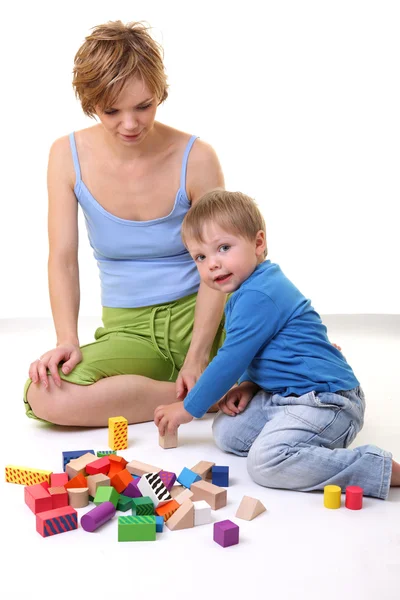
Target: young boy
(298,404)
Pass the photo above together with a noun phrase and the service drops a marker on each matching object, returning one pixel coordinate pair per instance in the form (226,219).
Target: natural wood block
(183,496)
(169,440)
(183,518)
(78,497)
(214,495)
(203,468)
(135,467)
(249,508)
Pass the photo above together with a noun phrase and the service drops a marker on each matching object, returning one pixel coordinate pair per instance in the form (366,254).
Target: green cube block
(102,453)
(142,506)
(124,503)
(137,529)
(106,493)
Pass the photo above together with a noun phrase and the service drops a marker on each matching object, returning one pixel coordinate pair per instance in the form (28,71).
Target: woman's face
(132,115)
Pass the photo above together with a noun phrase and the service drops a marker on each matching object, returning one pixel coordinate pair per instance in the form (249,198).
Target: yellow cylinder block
(332,496)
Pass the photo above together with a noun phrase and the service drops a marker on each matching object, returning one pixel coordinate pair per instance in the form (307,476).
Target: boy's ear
(261,242)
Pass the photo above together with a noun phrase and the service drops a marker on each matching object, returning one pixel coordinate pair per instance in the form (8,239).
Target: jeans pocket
(344,439)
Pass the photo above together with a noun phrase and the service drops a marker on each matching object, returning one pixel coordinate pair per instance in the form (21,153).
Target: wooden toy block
(169,440)
(249,508)
(167,510)
(185,495)
(102,453)
(124,503)
(187,477)
(76,482)
(94,481)
(167,478)
(37,498)
(142,506)
(105,493)
(214,495)
(226,533)
(159,524)
(332,496)
(59,496)
(78,465)
(118,433)
(72,455)
(137,529)
(132,490)
(101,465)
(57,520)
(121,480)
(151,485)
(26,475)
(183,518)
(202,513)
(135,467)
(354,497)
(176,490)
(78,497)
(99,515)
(58,479)
(203,468)
(220,476)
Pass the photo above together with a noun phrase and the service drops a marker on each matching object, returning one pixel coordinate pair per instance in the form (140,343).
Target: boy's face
(225,260)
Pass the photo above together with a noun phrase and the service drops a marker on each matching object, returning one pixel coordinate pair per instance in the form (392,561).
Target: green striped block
(124,503)
(137,529)
(142,506)
(106,493)
(102,453)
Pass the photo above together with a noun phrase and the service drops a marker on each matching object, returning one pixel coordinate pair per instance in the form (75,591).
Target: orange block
(113,458)
(79,481)
(121,480)
(168,509)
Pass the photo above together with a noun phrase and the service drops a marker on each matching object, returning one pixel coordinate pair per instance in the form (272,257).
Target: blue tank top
(141,263)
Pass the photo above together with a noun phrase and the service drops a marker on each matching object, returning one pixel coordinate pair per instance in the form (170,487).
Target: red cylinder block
(354,497)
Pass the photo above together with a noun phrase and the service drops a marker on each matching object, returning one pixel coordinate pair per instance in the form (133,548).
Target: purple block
(226,533)
(132,490)
(167,478)
(98,516)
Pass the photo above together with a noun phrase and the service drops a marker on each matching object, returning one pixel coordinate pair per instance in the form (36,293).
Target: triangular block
(249,508)
(183,518)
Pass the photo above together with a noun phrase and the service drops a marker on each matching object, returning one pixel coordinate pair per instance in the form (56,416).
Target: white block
(202,513)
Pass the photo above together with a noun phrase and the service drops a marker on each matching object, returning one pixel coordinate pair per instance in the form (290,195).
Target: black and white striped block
(151,485)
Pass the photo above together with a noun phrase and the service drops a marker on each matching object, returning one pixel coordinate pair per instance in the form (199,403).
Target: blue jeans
(299,443)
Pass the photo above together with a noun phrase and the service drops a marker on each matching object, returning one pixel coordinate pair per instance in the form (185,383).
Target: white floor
(297,549)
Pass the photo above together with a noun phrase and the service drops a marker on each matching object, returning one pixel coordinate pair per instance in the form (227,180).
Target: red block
(37,498)
(58,520)
(354,497)
(59,496)
(101,465)
(57,479)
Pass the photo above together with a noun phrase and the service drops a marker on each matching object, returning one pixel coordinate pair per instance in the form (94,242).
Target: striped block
(72,455)
(102,453)
(136,529)
(142,506)
(167,510)
(118,433)
(26,475)
(58,520)
(152,486)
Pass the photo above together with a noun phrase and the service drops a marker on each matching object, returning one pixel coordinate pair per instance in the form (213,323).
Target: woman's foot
(395,480)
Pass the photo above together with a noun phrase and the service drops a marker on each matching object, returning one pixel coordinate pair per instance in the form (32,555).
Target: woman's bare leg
(131,396)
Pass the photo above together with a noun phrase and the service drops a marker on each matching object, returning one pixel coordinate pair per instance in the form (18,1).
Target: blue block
(187,477)
(159,524)
(67,456)
(220,476)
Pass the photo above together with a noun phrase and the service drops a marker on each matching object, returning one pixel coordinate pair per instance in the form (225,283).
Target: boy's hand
(238,397)
(168,417)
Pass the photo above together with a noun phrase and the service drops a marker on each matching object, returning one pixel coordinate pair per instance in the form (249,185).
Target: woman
(134,179)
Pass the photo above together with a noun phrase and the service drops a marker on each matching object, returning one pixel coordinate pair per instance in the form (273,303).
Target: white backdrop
(299,98)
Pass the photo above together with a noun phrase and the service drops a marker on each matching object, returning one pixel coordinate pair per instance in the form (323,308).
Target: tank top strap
(185,161)
(75,156)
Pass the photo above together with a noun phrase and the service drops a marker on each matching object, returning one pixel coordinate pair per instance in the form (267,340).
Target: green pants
(150,341)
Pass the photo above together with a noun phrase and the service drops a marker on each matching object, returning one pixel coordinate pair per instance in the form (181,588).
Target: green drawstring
(168,356)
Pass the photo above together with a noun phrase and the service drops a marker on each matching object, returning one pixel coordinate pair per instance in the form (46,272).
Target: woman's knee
(225,432)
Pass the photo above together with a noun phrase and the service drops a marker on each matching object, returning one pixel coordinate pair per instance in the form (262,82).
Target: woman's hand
(70,354)
(188,375)
(238,397)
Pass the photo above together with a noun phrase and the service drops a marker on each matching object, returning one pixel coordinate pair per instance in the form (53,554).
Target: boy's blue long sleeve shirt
(274,338)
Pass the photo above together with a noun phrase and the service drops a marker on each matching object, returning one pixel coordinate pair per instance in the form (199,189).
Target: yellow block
(117,433)
(332,496)
(26,475)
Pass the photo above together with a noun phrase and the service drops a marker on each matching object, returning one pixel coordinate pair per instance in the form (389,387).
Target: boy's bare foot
(395,480)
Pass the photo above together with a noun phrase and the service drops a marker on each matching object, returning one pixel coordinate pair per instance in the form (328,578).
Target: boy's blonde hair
(232,211)
(109,57)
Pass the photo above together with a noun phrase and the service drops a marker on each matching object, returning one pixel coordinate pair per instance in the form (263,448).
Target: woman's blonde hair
(233,211)
(109,57)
